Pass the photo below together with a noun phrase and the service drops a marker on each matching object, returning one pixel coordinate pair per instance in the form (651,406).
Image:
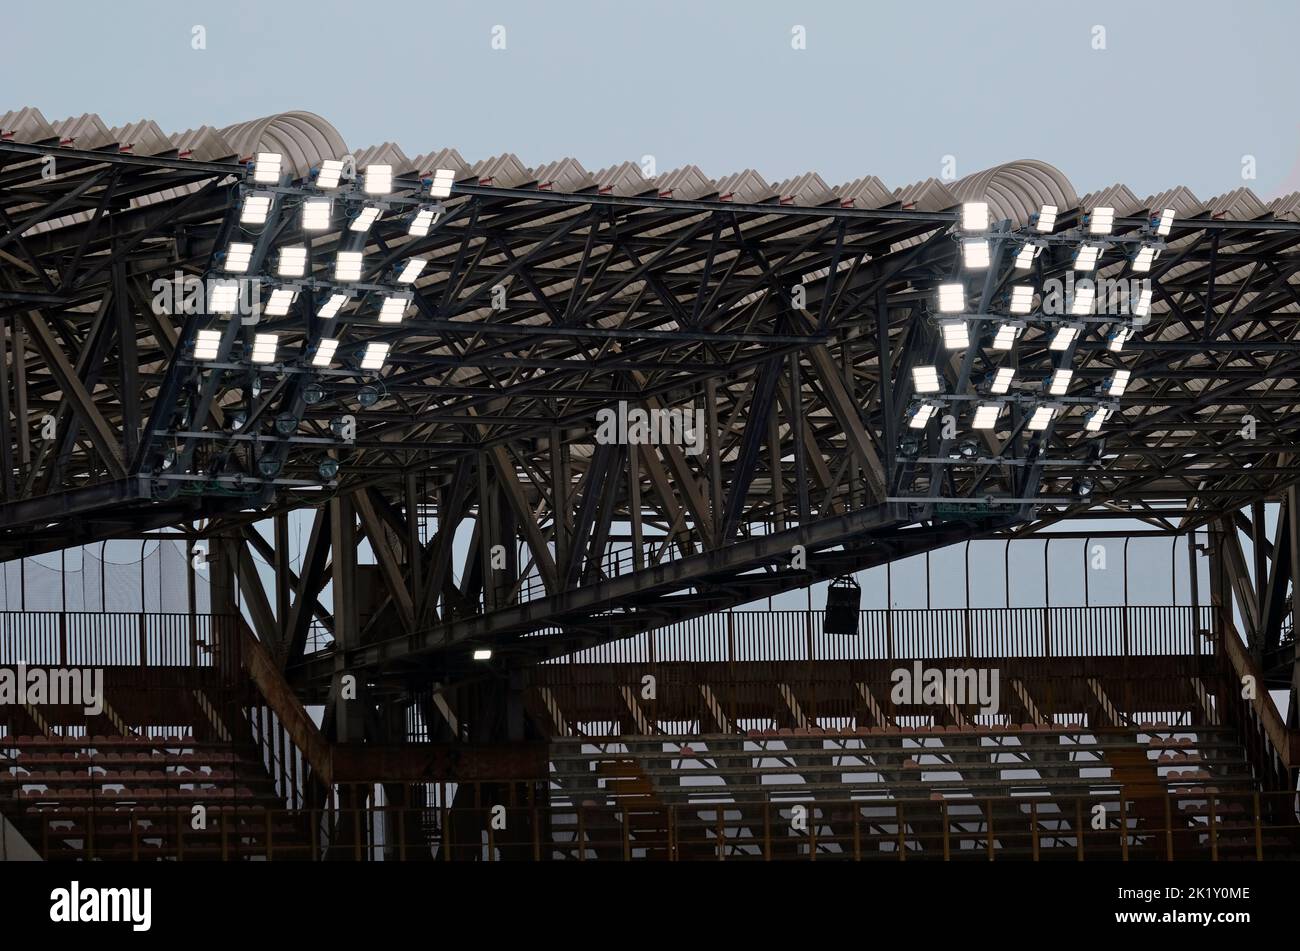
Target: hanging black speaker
(843,602)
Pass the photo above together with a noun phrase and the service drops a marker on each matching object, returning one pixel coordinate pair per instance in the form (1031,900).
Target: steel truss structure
(792,328)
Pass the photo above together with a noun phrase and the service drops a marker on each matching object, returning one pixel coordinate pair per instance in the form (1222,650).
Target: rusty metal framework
(484,414)
(499,522)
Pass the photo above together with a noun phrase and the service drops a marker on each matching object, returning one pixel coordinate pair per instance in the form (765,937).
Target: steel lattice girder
(488,415)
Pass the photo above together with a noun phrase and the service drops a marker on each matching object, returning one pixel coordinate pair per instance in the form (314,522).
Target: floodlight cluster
(1095,234)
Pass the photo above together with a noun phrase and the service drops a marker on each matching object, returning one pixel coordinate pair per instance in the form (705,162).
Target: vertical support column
(778,480)
(343,542)
(283,583)
(1220,597)
(852,477)
(560,497)
(6,421)
(224,604)
(634,505)
(191,603)
(1292,528)
(18,336)
(127,357)
(886,389)
(715,456)
(487,533)
(415,571)
(1258,543)
(348,721)
(800,449)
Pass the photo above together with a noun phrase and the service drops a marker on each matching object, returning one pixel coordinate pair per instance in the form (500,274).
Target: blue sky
(1180,93)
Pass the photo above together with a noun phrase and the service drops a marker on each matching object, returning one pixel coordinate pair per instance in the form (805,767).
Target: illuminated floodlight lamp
(1065,335)
(975,253)
(206,344)
(1143,259)
(316,214)
(332,306)
(330,174)
(392,310)
(1025,256)
(266,169)
(1097,418)
(1143,306)
(1046,219)
(1165,223)
(920,414)
(1101,221)
(238,257)
(375,354)
(1002,380)
(1041,418)
(1006,336)
(1087,256)
(324,354)
(364,219)
(952,298)
(925,379)
(1117,383)
(986,415)
(293,262)
(443,179)
(956,335)
(264,346)
(411,271)
(378,180)
(347,266)
(1059,382)
(223,297)
(482,653)
(1118,337)
(282,299)
(975,216)
(1085,297)
(1022,299)
(422,222)
(256,208)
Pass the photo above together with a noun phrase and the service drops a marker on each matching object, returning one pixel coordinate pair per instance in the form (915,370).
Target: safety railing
(112,638)
(917,633)
(1250,826)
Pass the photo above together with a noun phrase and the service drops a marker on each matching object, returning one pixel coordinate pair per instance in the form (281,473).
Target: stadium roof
(645,287)
(1013,190)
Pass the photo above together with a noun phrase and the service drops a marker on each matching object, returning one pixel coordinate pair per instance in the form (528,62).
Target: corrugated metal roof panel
(26,125)
(865,192)
(1117,196)
(1017,189)
(806,189)
(927,195)
(687,183)
(566,175)
(624,179)
(142,138)
(1180,199)
(86,131)
(503,171)
(1240,203)
(386,154)
(304,139)
(443,158)
(745,186)
(205,144)
(1288,206)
